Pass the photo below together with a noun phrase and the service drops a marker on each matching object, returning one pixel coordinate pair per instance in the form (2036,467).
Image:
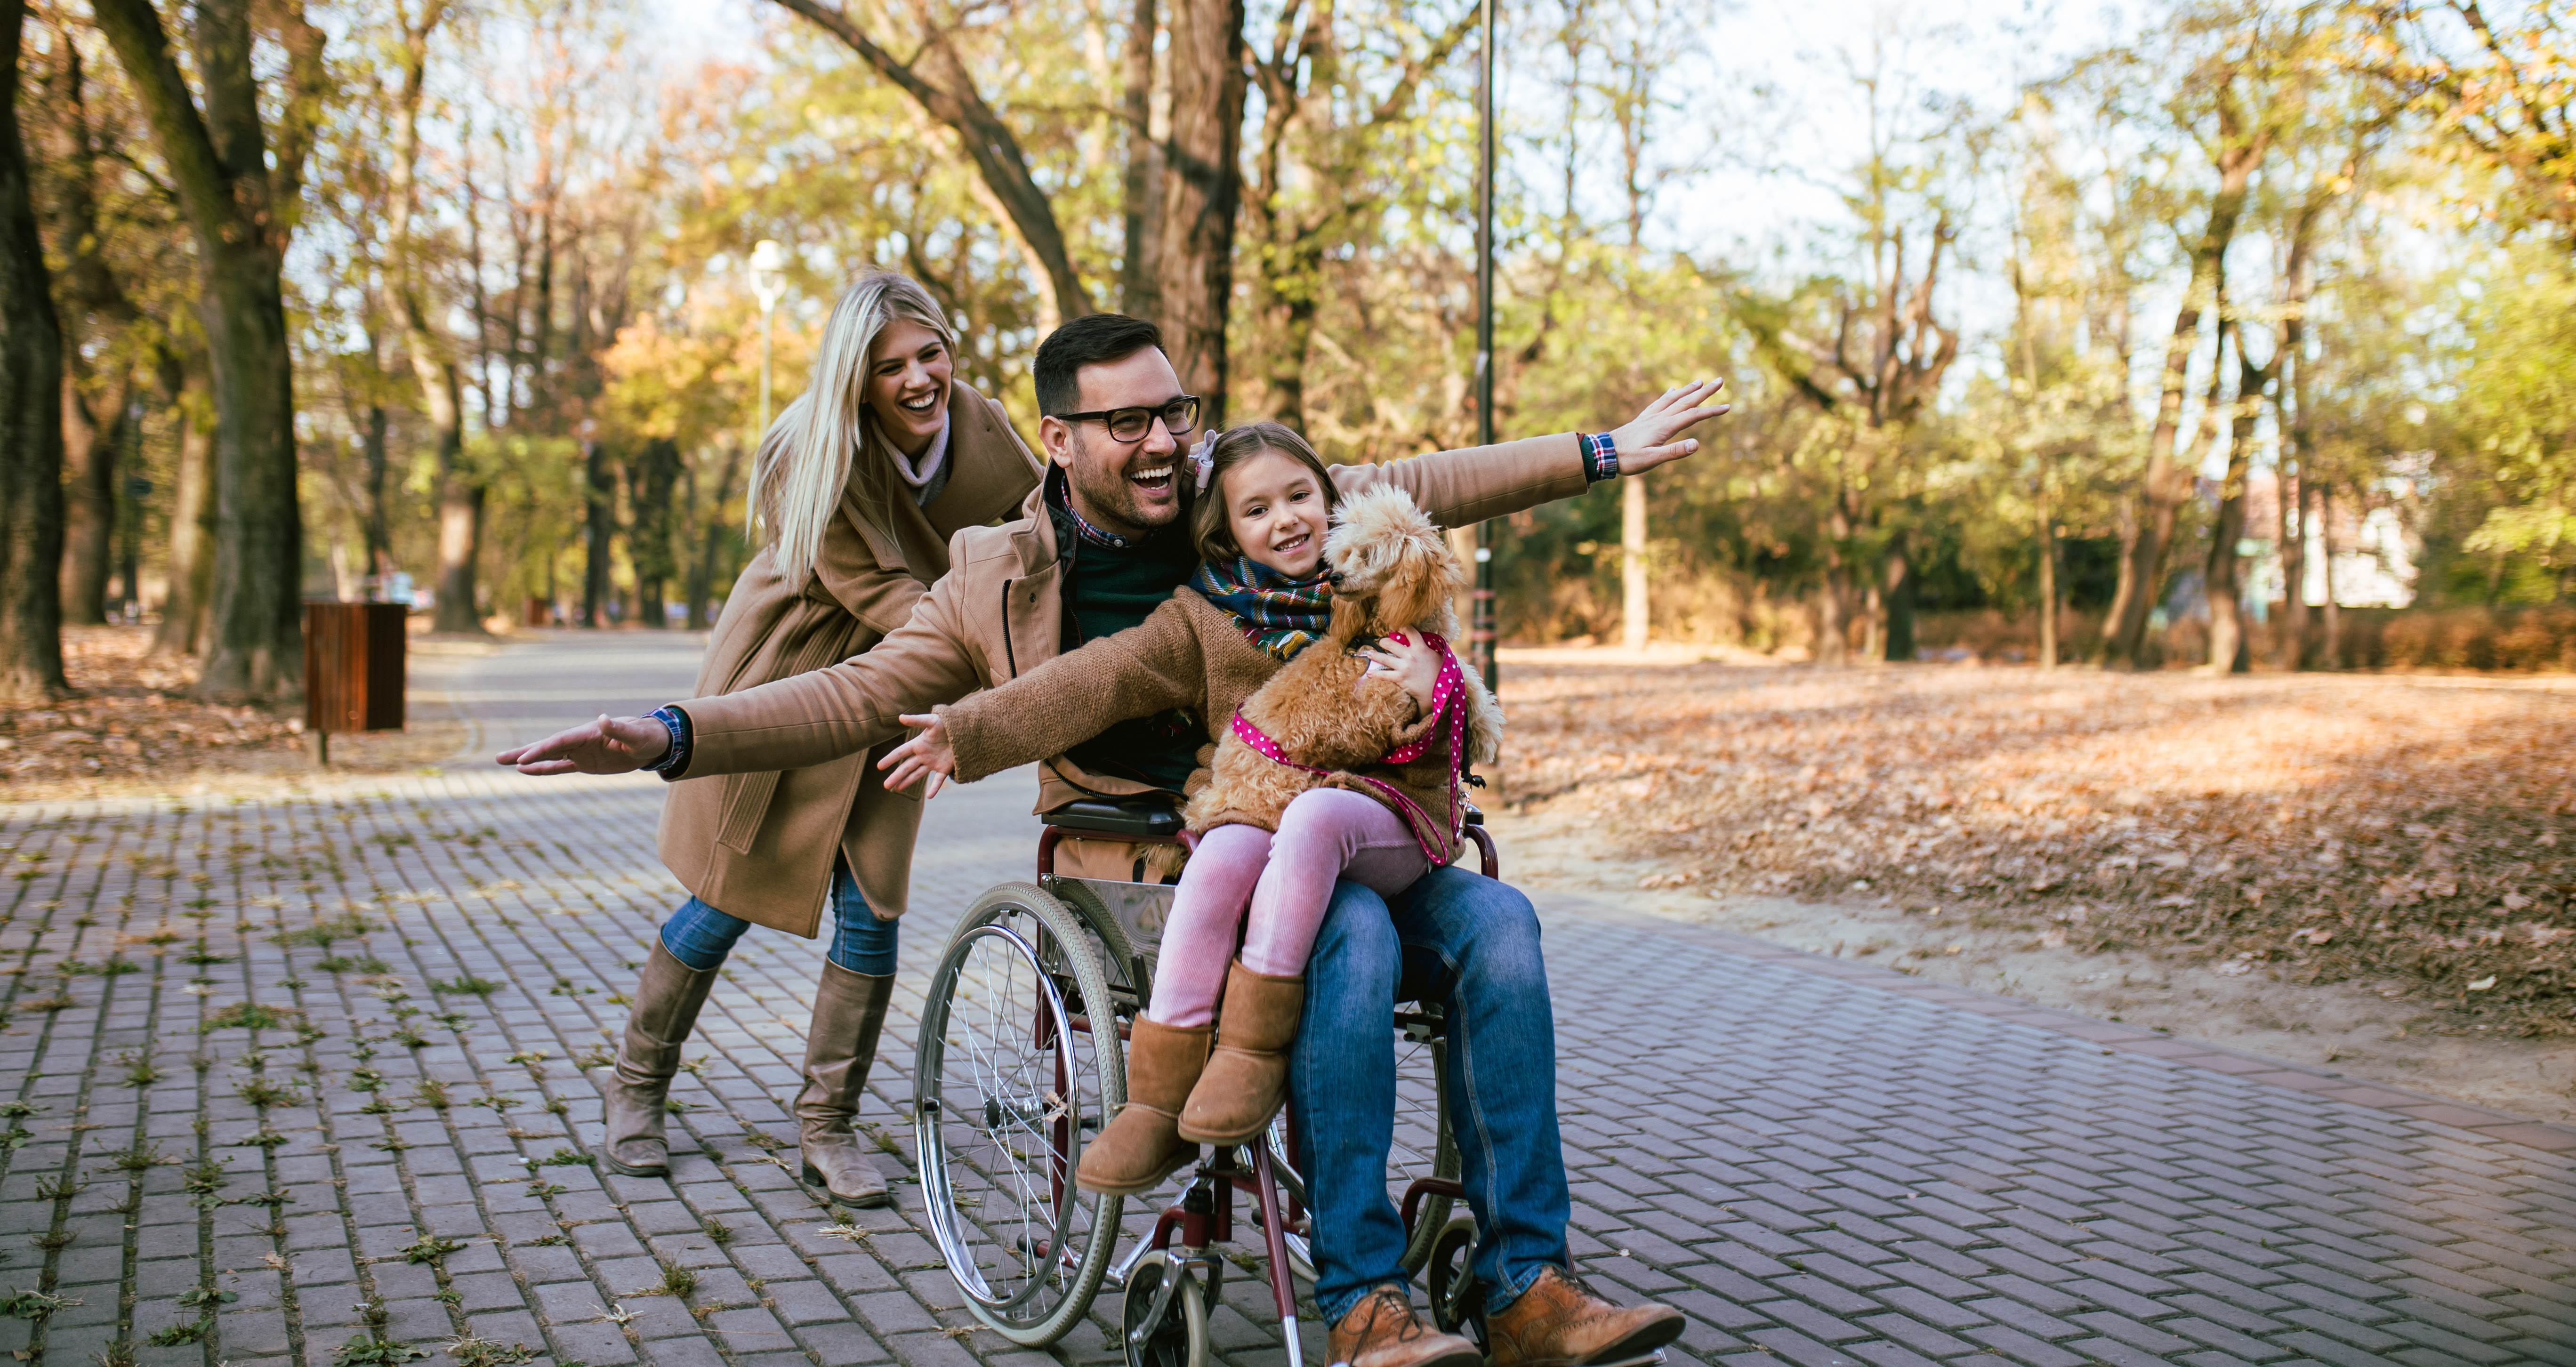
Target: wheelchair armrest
(1475,814)
(1135,818)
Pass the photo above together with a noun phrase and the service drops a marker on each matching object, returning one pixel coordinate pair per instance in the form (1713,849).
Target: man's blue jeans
(1472,944)
(700,937)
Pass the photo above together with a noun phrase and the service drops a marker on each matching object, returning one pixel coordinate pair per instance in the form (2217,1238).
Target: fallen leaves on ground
(2320,827)
(134,718)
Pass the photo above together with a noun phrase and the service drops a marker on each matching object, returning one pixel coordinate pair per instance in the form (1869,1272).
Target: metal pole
(1480,634)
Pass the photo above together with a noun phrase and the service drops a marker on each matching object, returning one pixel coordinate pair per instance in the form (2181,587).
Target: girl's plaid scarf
(1279,614)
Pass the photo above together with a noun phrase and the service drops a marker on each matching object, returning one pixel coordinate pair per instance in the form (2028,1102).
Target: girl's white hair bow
(1203,459)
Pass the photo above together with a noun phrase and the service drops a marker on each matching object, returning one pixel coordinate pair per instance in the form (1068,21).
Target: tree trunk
(1898,581)
(90,441)
(652,482)
(2228,653)
(598,528)
(1635,612)
(2166,483)
(192,526)
(1202,188)
(704,574)
(236,190)
(2331,656)
(1141,192)
(460,538)
(31,406)
(2047,583)
(379,528)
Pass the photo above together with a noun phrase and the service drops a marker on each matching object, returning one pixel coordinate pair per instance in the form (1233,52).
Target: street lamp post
(1480,631)
(768,284)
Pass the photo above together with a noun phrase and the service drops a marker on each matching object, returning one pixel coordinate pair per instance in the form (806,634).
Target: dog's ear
(1423,580)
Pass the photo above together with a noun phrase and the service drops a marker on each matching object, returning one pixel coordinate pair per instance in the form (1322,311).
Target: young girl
(1260,596)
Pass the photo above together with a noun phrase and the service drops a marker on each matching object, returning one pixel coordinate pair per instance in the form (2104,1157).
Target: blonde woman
(856,490)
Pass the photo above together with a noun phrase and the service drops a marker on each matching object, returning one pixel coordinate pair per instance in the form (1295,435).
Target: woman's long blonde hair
(806,456)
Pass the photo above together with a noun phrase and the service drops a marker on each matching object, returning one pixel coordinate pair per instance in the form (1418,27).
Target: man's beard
(1112,497)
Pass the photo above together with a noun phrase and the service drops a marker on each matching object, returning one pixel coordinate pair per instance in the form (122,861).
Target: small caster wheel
(1162,1330)
(1455,1304)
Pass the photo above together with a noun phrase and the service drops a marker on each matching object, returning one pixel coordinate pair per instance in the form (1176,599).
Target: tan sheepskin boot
(1142,1146)
(1247,1076)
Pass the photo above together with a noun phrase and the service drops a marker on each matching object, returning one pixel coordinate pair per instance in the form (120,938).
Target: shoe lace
(1386,1301)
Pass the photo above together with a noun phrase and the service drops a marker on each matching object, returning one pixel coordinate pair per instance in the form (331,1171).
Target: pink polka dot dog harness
(1449,710)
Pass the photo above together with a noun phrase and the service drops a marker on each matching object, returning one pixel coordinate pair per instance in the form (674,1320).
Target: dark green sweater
(1108,589)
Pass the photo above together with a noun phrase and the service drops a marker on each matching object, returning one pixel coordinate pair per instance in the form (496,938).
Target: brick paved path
(320,1056)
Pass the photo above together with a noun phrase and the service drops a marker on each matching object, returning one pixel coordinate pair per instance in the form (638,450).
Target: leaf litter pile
(2316,828)
(132,717)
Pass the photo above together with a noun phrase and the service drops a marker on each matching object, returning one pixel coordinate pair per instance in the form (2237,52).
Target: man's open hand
(927,755)
(610,745)
(1652,437)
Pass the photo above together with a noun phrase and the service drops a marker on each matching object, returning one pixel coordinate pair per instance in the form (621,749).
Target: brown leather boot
(1558,1322)
(840,1047)
(633,1094)
(1383,1331)
(1247,1076)
(1142,1146)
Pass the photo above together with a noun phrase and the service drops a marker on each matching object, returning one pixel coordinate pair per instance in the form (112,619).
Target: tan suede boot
(840,1047)
(1247,1076)
(634,1092)
(1142,1146)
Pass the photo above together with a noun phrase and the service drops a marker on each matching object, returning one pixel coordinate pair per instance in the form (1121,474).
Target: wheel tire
(1012,954)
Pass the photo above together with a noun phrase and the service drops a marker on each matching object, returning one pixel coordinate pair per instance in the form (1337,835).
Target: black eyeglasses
(1131,424)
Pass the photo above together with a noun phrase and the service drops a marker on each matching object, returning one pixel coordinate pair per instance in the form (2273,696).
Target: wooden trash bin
(353,670)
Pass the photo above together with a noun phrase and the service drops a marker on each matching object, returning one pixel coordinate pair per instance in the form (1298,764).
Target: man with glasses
(1101,543)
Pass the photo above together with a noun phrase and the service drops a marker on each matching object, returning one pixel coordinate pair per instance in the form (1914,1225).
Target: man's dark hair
(1093,339)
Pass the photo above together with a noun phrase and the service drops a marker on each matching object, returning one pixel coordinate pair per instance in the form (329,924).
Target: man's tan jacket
(997,613)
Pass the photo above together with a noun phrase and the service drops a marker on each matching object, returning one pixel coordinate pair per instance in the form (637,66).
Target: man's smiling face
(1122,486)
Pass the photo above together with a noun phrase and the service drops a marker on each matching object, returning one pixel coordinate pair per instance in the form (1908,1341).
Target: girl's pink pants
(1286,880)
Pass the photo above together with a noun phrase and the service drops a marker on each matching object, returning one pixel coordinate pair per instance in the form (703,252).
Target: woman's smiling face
(1277,512)
(907,383)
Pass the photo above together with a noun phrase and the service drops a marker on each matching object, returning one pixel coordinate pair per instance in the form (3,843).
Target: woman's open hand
(928,754)
(610,745)
(1411,661)
(1653,437)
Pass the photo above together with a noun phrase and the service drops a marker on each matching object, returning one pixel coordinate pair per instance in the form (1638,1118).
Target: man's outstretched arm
(801,720)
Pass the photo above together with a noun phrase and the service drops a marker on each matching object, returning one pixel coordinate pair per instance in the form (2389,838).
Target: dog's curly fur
(1395,574)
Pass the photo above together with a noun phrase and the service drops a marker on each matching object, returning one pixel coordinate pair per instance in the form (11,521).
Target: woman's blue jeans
(700,937)
(1472,944)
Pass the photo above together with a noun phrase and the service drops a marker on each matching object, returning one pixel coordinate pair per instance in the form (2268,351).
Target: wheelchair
(1021,1058)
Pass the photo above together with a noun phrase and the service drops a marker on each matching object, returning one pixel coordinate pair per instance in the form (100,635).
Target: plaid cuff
(674,761)
(1600,456)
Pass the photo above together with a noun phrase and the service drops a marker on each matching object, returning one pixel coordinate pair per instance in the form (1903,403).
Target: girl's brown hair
(1209,534)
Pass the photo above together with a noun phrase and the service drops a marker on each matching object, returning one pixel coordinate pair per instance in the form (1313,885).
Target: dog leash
(1449,706)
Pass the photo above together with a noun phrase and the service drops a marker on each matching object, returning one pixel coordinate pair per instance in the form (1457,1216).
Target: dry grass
(134,728)
(2325,827)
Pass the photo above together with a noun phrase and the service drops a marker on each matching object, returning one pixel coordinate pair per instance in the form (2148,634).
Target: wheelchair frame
(1070,947)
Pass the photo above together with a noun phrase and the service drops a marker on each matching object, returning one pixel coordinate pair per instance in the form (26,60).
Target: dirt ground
(134,729)
(2362,873)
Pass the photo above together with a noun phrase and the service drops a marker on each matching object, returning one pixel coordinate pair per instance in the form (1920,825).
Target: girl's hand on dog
(1409,660)
(928,754)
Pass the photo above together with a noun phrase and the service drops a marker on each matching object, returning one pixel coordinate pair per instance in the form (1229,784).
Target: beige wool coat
(759,844)
(999,612)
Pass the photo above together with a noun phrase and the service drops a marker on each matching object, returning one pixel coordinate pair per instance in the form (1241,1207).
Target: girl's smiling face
(1277,512)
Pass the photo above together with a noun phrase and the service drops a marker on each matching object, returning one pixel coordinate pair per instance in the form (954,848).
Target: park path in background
(1820,1163)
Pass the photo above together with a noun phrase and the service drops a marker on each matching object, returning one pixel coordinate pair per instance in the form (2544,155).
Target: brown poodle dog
(1395,574)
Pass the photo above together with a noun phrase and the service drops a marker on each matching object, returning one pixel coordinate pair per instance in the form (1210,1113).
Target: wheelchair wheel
(1005,1086)
(1179,1336)
(1424,1147)
(1452,1276)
